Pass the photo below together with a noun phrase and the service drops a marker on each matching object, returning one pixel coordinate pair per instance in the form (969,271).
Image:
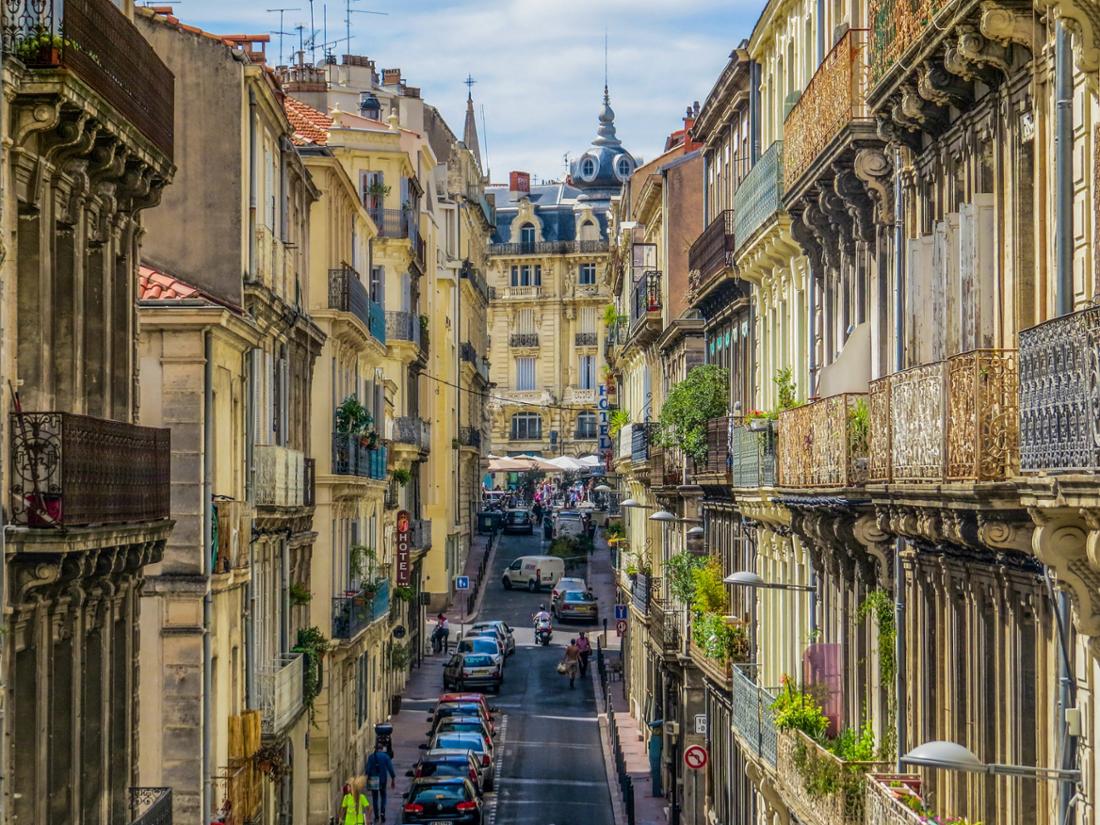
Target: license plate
(439,822)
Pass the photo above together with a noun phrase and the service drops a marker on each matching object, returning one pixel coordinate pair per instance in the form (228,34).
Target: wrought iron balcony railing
(280,476)
(640,592)
(884,805)
(97,43)
(150,806)
(352,457)
(468,353)
(354,612)
(821,444)
(281,686)
(413,430)
(549,248)
(524,339)
(469,437)
(474,277)
(347,294)
(752,457)
(640,441)
(712,252)
(392,223)
(898,25)
(1059,394)
(953,420)
(585,339)
(402,326)
(753,717)
(834,98)
(75,470)
(760,195)
(840,804)
(645,298)
(238,789)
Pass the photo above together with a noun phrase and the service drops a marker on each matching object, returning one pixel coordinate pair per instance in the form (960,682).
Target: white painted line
(572,783)
(549,744)
(589,720)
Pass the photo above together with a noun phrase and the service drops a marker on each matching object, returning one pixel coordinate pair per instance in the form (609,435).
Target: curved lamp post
(955,757)
(746,578)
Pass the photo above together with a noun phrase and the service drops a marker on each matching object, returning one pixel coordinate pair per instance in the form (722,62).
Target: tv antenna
(349,11)
(282,13)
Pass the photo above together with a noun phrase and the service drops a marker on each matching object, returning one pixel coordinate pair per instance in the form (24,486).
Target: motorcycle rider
(542,621)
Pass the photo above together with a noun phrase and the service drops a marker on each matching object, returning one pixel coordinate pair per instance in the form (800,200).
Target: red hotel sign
(404,549)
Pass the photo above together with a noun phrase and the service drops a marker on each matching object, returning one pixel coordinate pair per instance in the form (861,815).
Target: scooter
(543,632)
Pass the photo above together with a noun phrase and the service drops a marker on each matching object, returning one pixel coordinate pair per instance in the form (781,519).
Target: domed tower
(605,166)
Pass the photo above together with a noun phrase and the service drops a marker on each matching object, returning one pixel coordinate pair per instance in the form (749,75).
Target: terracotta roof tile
(309,124)
(154,285)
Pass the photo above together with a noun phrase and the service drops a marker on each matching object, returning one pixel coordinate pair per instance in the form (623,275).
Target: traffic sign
(695,757)
(701,723)
(620,628)
(620,612)
(462,582)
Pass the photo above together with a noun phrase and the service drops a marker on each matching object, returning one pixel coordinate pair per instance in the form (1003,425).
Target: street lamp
(663,515)
(602,488)
(746,578)
(695,533)
(955,757)
(629,502)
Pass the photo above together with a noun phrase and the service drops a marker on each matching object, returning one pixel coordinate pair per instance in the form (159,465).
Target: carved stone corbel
(915,110)
(893,133)
(860,207)
(822,229)
(939,86)
(804,237)
(1007,25)
(875,170)
(1060,541)
(983,52)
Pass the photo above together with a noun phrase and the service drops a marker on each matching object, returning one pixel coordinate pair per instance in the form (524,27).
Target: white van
(533,572)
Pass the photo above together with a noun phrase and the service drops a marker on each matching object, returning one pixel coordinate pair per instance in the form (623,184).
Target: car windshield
(477,660)
(462,725)
(518,516)
(460,709)
(454,768)
(468,741)
(478,644)
(576,596)
(447,793)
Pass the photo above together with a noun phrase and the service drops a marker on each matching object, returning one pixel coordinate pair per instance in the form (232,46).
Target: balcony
(469,273)
(953,420)
(279,476)
(353,613)
(522,293)
(351,457)
(468,353)
(75,471)
(820,444)
(640,592)
(666,467)
(585,339)
(645,298)
(470,437)
(831,105)
(752,457)
(712,253)
(414,431)
(402,326)
(549,248)
(885,802)
(759,197)
(94,41)
(392,223)
(524,339)
(640,441)
(580,395)
(798,756)
(625,441)
(281,687)
(346,293)
(900,26)
(753,718)
(238,789)
(1059,394)
(150,806)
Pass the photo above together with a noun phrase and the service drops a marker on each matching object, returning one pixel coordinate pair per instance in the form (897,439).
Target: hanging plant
(360,558)
(618,419)
(271,761)
(312,644)
(352,418)
(299,594)
(680,570)
(399,657)
(402,476)
(404,593)
(701,396)
(880,607)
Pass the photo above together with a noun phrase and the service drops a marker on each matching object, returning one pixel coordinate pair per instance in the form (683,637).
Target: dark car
(445,709)
(442,799)
(518,521)
(472,670)
(440,763)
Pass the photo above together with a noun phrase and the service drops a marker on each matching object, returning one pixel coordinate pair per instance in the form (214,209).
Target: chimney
(519,182)
(391,77)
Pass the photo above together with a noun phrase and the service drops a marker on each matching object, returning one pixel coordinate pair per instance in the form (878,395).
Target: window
(525,374)
(586,320)
(624,167)
(525,321)
(587,274)
(526,427)
(524,276)
(515,276)
(378,285)
(588,168)
(587,372)
(586,425)
(538,276)
(527,235)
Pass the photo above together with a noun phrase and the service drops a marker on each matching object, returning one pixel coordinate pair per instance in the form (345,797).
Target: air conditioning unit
(672,729)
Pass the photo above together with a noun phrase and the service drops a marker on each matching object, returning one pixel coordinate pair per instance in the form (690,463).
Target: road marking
(545,744)
(572,783)
(565,718)
(494,798)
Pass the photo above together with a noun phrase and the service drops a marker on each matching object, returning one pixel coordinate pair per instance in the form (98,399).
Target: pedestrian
(440,634)
(379,765)
(655,748)
(585,648)
(572,661)
(354,806)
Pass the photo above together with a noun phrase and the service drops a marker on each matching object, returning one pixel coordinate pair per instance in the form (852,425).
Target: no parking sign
(695,757)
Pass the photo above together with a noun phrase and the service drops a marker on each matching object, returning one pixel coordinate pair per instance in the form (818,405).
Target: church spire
(605,132)
(469,133)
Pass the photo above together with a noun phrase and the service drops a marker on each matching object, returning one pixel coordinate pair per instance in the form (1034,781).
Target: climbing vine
(880,607)
(313,645)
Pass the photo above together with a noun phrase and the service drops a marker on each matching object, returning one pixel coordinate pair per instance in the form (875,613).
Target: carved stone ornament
(1082,18)
(874,168)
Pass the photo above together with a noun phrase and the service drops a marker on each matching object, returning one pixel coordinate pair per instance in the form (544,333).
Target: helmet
(542,607)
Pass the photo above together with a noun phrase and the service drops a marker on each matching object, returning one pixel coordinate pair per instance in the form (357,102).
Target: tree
(702,395)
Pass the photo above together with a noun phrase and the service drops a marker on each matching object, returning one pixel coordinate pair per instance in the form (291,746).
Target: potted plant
(402,476)
(299,594)
(352,418)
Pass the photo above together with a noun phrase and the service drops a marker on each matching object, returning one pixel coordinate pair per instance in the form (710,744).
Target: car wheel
(507,583)
(532,585)
(489,780)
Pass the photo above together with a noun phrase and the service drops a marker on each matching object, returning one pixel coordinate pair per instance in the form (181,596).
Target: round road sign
(695,757)
(620,627)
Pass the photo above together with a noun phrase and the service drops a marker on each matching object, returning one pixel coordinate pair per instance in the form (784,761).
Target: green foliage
(571,548)
(702,395)
(717,638)
(612,316)
(680,570)
(313,645)
(618,419)
(787,396)
(352,418)
(880,607)
(402,476)
(378,189)
(797,710)
(360,560)
(404,593)
(855,744)
(299,594)
(710,594)
(614,530)
(859,428)
(399,656)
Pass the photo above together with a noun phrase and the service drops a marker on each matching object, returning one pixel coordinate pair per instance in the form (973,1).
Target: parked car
(442,799)
(480,746)
(477,698)
(472,670)
(503,632)
(576,605)
(461,724)
(518,521)
(449,763)
(533,572)
(488,644)
(461,708)
(568,523)
(564,584)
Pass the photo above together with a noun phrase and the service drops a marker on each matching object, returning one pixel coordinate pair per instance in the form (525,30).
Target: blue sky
(538,63)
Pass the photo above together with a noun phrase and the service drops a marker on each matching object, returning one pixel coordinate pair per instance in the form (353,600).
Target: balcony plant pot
(43,509)
(760,425)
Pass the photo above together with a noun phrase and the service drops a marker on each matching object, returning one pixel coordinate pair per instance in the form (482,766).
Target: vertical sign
(605,439)
(404,573)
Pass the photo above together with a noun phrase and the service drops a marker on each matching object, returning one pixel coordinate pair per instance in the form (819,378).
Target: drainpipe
(251,183)
(754,111)
(899,364)
(820,31)
(1063,305)
(812,360)
(249,624)
(207,599)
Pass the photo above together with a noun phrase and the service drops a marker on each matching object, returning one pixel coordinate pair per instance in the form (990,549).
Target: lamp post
(952,756)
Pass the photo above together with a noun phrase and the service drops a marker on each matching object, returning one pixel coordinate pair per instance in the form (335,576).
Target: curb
(618,810)
(490,556)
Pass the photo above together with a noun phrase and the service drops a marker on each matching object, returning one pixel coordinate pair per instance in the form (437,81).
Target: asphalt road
(551,771)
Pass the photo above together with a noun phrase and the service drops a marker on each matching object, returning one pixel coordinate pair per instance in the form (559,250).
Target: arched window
(623,167)
(526,426)
(527,235)
(589,231)
(588,168)
(586,425)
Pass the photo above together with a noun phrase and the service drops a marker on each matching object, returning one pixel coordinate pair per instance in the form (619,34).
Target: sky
(539,64)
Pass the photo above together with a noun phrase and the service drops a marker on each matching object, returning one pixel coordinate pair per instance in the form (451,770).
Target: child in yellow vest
(354,806)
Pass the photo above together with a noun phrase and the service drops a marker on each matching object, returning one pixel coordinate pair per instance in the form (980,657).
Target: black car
(442,799)
(449,763)
(518,521)
(472,670)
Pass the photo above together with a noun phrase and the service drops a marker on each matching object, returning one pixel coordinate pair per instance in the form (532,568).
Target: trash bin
(486,521)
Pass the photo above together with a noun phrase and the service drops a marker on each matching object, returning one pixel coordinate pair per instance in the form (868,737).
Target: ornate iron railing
(712,252)
(1060,393)
(402,326)
(238,791)
(469,272)
(585,339)
(797,757)
(953,420)
(834,98)
(469,437)
(640,592)
(640,441)
(74,470)
(150,806)
(352,457)
(898,25)
(354,612)
(753,717)
(392,223)
(281,686)
(752,457)
(523,339)
(823,444)
(645,297)
(413,430)
(883,804)
(549,248)
(760,195)
(280,476)
(347,294)
(95,41)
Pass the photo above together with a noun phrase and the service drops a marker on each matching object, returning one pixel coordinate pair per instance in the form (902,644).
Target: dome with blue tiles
(606,165)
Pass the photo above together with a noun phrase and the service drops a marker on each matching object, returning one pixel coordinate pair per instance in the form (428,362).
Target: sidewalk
(648,810)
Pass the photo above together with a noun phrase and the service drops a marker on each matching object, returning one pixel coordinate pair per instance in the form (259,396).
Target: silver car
(489,645)
(502,630)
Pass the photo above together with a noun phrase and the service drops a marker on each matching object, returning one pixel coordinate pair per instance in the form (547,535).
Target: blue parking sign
(462,582)
(620,612)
